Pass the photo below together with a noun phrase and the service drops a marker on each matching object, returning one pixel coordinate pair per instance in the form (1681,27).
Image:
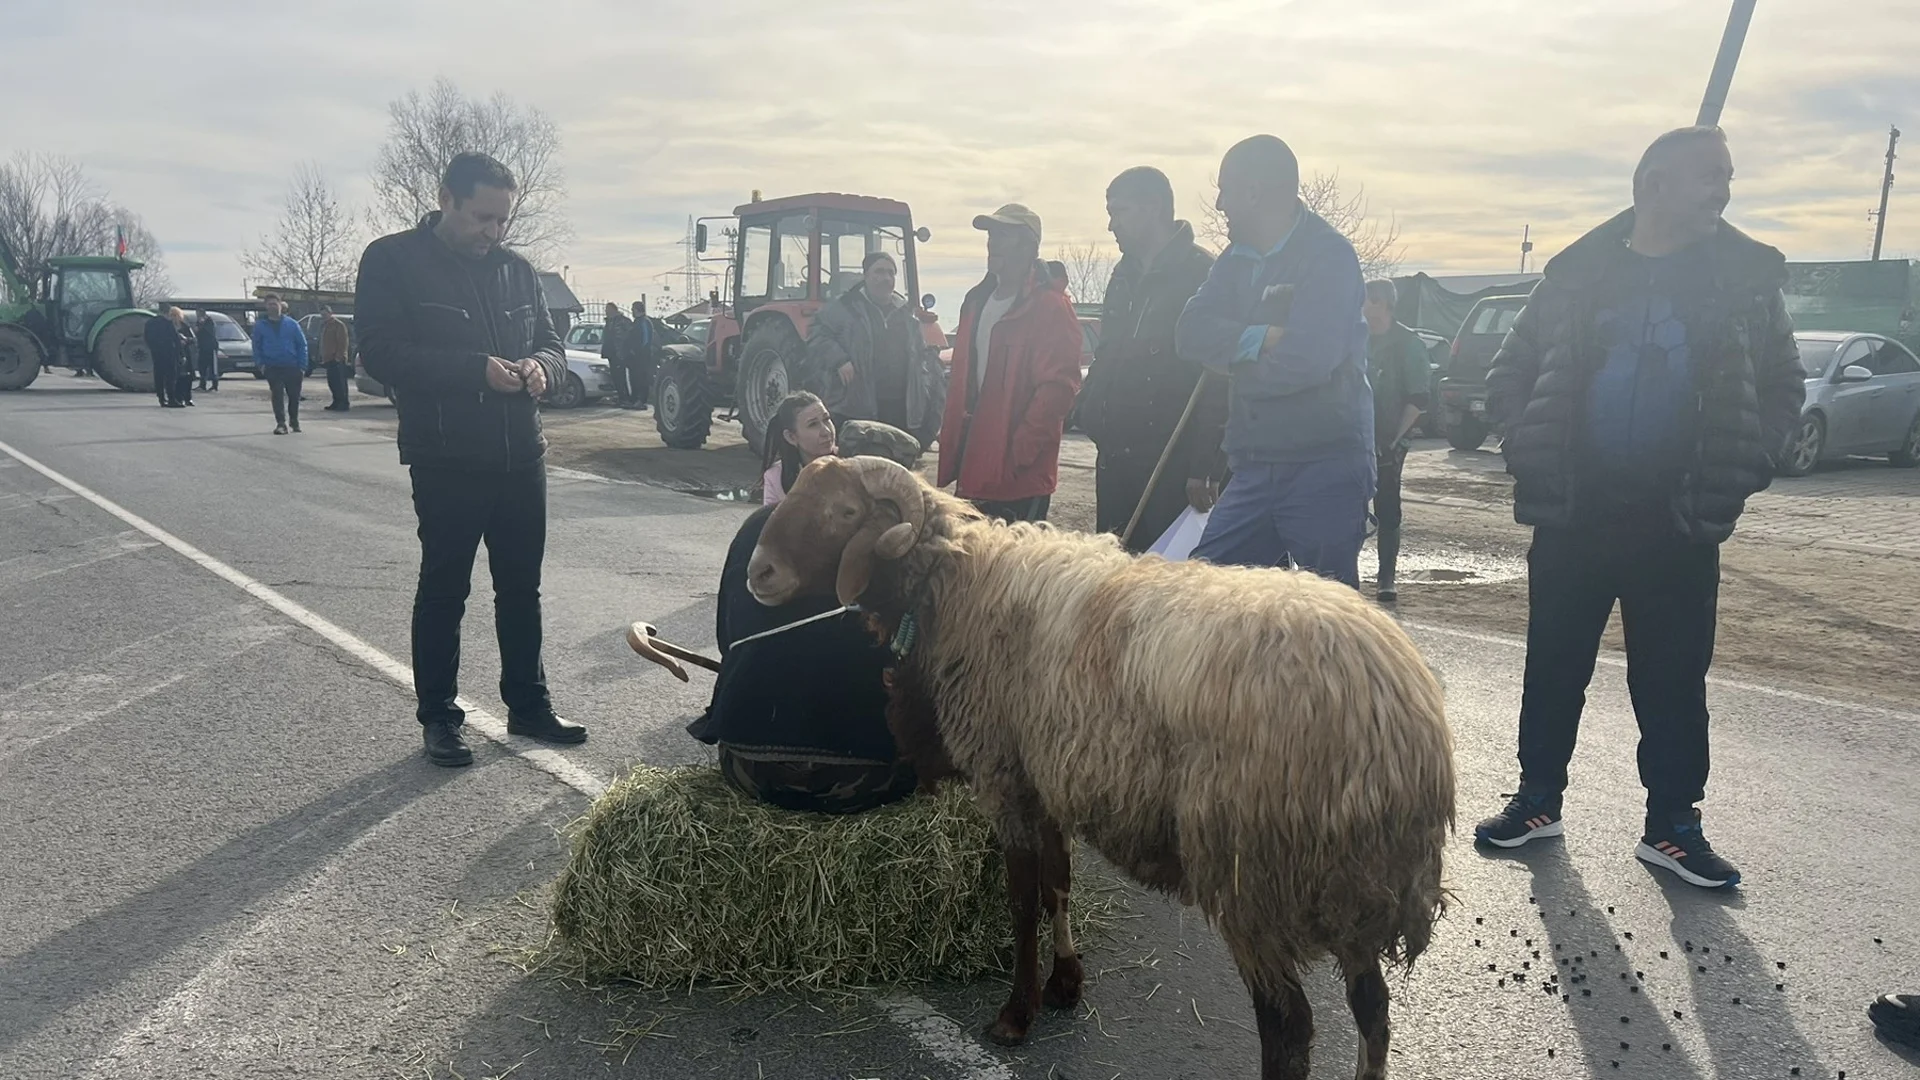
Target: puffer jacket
(1749,385)
(428,322)
(853,329)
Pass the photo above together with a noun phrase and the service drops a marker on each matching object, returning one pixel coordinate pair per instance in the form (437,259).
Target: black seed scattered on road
(1549,1051)
(1634,989)
(1586,993)
(1795,1071)
(1616,1064)
(1629,935)
(1641,975)
(1677,1016)
(1593,952)
(1609,909)
(1616,946)
(1689,946)
(1623,976)
(1530,945)
(1513,933)
(1779,986)
(1493,967)
(1624,1046)
(1736,1001)
(1503,982)
(1536,954)
(1477,920)
(1530,900)
(1663,954)
(1476,943)
(1729,959)
(1668,1047)
(1877,941)
(1703,968)
(1526,965)
(1781,964)
(1564,998)
(1625,1020)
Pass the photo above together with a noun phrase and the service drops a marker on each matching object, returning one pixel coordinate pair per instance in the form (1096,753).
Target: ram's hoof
(1006,1032)
(1064,987)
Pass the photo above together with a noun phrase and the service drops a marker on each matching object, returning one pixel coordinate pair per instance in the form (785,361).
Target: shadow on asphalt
(1610,978)
(114,946)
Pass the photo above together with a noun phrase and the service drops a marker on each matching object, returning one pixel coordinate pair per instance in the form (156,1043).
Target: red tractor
(787,258)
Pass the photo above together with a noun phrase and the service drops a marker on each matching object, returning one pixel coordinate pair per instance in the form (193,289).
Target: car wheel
(1804,446)
(1909,453)
(570,394)
(1467,434)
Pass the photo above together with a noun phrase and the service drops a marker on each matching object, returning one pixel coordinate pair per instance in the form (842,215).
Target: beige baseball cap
(1012,215)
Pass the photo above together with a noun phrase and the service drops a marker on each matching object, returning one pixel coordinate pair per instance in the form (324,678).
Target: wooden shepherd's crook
(1161,465)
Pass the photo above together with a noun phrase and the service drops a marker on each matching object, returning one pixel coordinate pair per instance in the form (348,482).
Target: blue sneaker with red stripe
(1679,845)
(1527,817)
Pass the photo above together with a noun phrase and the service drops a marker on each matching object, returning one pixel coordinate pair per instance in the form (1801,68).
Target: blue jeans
(1312,514)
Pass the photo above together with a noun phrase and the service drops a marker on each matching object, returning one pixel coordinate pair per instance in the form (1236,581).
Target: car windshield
(697,331)
(225,329)
(1815,355)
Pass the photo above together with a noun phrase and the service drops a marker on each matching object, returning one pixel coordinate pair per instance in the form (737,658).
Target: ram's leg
(1023,901)
(1285,1020)
(1367,997)
(1056,884)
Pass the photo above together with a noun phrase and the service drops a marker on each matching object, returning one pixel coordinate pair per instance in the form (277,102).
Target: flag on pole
(120,241)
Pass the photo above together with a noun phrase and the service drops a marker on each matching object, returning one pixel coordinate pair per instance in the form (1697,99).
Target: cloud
(1464,121)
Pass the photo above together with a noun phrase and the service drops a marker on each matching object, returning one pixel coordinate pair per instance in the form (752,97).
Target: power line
(1886,189)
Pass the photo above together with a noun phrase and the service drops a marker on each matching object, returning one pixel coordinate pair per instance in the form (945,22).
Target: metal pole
(1886,188)
(1722,77)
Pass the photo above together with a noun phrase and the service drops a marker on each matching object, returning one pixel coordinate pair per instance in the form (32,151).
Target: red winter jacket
(1003,443)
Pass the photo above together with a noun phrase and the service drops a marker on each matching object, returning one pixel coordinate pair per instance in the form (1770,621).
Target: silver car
(1863,397)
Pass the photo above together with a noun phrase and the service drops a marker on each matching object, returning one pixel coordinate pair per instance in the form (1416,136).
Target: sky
(1465,120)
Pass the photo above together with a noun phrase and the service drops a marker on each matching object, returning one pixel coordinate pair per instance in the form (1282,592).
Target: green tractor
(79,313)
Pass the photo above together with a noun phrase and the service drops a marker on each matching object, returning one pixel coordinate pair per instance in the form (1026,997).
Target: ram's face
(800,548)
(823,538)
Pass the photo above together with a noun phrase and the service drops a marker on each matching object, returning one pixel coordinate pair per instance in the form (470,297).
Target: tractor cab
(78,290)
(787,258)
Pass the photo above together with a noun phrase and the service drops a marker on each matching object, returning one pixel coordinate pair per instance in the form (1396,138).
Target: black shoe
(1681,847)
(1386,593)
(295,425)
(1527,817)
(1897,1018)
(279,429)
(188,404)
(444,744)
(548,729)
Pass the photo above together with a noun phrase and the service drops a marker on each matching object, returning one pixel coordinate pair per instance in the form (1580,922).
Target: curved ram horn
(890,481)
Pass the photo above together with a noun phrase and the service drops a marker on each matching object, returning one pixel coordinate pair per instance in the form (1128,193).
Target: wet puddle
(1456,566)
(735,495)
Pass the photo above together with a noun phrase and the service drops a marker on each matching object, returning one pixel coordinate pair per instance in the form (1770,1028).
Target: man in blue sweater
(280,353)
(1280,316)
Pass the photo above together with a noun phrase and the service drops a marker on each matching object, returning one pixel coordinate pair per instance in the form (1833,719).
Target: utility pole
(1730,44)
(1526,245)
(1886,189)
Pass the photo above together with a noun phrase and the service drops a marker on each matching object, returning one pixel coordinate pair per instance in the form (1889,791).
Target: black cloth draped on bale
(814,688)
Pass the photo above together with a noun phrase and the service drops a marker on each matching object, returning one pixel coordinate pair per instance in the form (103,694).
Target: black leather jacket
(428,320)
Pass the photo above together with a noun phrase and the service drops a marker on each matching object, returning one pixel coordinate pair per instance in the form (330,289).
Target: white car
(588,379)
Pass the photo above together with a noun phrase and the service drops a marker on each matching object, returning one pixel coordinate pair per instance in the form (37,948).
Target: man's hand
(534,376)
(503,377)
(1274,334)
(1202,495)
(846,373)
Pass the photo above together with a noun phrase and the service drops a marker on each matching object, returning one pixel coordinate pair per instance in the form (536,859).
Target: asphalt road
(227,858)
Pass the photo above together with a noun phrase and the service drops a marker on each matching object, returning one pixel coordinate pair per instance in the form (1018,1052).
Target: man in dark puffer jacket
(456,324)
(1645,391)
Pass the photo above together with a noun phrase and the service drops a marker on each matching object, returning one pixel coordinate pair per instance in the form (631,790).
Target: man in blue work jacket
(1280,316)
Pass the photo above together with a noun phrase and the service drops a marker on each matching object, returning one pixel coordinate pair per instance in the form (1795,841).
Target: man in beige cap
(1016,369)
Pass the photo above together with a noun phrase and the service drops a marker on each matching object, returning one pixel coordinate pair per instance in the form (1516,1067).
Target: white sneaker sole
(1651,855)
(1554,828)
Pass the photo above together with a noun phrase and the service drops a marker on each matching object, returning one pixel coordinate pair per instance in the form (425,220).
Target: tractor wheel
(120,354)
(20,358)
(771,353)
(682,406)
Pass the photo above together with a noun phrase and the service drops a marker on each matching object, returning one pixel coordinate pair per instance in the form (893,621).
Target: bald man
(1646,391)
(1279,315)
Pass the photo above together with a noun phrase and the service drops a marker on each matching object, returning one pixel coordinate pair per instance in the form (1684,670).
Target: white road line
(1712,680)
(547,761)
(932,1032)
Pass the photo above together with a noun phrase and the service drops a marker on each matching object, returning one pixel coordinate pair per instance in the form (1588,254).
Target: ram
(1264,745)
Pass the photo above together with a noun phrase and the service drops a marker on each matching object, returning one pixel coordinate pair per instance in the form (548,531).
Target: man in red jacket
(1016,369)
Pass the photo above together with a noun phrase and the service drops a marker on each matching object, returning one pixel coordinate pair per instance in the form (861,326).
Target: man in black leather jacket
(456,325)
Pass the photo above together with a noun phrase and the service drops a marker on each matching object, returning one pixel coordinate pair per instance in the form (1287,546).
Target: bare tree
(313,246)
(425,132)
(1089,268)
(49,207)
(1377,245)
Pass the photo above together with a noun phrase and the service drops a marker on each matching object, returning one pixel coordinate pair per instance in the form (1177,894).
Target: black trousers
(458,510)
(210,372)
(1034,509)
(337,377)
(1119,478)
(285,381)
(183,387)
(1668,589)
(1389,465)
(166,377)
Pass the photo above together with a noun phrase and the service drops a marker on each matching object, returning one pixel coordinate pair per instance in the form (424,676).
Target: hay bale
(675,878)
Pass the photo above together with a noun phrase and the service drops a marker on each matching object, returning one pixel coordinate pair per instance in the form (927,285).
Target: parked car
(585,337)
(1430,423)
(1463,389)
(233,341)
(310,326)
(1863,397)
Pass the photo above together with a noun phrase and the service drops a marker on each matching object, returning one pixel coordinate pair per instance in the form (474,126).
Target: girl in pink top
(800,434)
